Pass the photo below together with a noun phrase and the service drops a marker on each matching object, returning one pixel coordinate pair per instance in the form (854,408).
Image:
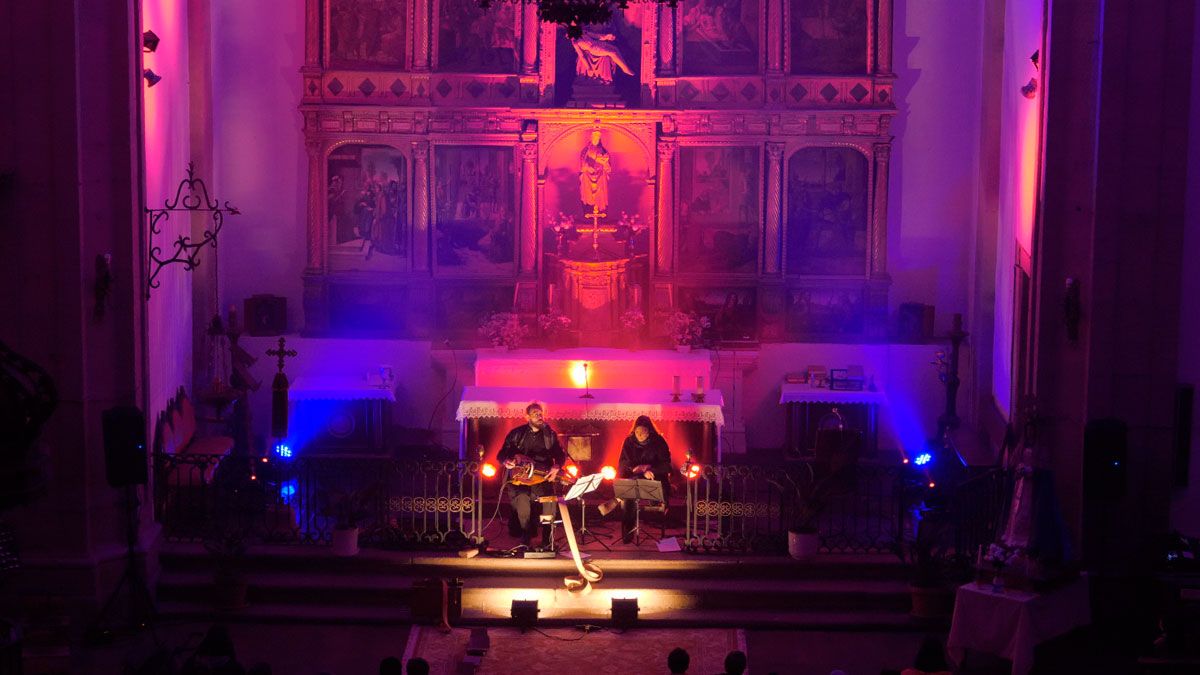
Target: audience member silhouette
(391,666)
(678,660)
(214,656)
(735,663)
(417,666)
(930,660)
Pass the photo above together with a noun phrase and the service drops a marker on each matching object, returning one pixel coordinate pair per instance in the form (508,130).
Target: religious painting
(474,209)
(720,37)
(829,37)
(367,201)
(828,314)
(730,311)
(827,212)
(600,69)
(718,209)
(476,40)
(367,34)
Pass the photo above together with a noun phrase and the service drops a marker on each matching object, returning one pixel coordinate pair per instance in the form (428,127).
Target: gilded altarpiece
(723,157)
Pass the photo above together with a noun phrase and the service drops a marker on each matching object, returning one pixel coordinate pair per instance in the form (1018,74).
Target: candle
(675,385)
(699,385)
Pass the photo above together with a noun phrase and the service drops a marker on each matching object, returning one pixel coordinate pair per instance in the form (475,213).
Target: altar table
(1011,623)
(799,398)
(340,413)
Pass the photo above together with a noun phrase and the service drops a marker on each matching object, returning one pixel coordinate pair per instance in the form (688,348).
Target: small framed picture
(838,373)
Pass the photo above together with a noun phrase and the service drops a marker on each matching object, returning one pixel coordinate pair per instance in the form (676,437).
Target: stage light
(488,470)
(283,450)
(287,491)
(693,471)
(932,485)
(525,613)
(608,473)
(573,469)
(149,41)
(624,612)
(923,459)
(152,78)
(579,373)
(904,461)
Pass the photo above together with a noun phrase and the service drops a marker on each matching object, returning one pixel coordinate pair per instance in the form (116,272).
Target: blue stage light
(283,451)
(287,491)
(923,459)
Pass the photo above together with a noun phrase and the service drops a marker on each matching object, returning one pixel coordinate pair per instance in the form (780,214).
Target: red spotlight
(905,461)
(608,472)
(932,484)
(573,469)
(693,470)
(488,470)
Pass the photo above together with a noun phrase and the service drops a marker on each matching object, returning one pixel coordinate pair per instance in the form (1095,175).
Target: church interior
(647,336)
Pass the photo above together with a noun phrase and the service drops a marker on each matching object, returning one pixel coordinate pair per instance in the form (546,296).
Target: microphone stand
(587,390)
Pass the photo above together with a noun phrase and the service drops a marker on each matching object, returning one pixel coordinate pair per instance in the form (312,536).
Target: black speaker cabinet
(124,446)
(266,315)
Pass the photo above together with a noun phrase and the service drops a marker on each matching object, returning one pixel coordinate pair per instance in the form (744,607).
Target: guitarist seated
(532,455)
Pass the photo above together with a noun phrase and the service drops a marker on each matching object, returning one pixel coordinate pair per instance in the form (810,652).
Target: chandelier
(575,14)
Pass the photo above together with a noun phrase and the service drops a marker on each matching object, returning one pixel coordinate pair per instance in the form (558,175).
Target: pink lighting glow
(578,372)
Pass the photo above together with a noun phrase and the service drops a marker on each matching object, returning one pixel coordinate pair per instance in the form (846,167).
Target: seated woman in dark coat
(644,455)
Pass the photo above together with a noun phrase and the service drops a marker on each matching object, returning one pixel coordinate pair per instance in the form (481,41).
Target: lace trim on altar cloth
(672,412)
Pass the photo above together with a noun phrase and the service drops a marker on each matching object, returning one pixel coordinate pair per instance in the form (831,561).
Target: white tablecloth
(338,388)
(802,393)
(1011,623)
(606,404)
(609,368)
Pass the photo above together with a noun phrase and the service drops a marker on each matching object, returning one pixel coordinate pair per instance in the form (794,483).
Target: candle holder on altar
(675,389)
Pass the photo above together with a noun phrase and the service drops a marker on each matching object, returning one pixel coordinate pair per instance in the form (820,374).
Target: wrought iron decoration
(190,196)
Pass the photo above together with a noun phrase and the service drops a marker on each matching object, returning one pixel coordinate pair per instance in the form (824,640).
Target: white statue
(595,56)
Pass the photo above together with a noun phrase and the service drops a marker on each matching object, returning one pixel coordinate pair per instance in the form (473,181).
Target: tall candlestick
(675,385)
(699,385)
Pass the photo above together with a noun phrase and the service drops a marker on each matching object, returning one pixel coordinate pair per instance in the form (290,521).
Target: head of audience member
(391,666)
(931,657)
(735,662)
(417,666)
(678,660)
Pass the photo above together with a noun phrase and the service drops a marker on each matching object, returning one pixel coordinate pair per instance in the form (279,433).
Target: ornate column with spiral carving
(420,228)
(666,204)
(883,153)
(423,15)
(773,227)
(317,206)
(529,207)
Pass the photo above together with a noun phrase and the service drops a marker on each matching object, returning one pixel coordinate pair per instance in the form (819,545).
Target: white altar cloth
(1011,623)
(338,388)
(608,368)
(607,404)
(802,393)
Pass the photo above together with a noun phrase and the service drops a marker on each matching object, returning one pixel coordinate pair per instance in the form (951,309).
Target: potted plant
(554,326)
(685,329)
(228,551)
(633,321)
(806,501)
(348,509)
(504,330)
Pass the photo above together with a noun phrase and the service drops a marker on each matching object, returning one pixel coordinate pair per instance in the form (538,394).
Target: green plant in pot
(348,509)
(804,504)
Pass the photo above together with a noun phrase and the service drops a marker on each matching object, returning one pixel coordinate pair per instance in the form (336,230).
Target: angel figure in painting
(595,56)
(594,168)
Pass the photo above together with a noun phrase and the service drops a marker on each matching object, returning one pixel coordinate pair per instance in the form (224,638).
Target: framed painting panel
(719,209)
(720,37)
(474,210)
(828,37)
(462,308)
(471,39)
(827,212)
(367,207)
(732,311)
(367,34)
(826,314)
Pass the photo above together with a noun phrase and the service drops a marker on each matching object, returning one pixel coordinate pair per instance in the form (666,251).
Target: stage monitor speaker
(124,446)
(1105,457)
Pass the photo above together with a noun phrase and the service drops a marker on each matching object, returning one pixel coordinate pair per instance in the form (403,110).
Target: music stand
(583,486)
(638,490)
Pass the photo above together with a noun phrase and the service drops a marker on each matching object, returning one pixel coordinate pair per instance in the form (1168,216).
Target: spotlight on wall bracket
(1035,58)
(152,78)
(149,41)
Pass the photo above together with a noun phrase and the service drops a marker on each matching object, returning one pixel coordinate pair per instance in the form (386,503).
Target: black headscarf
(644,421)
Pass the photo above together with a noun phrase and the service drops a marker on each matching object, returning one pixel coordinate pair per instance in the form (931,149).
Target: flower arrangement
(999,557)
(633,320)
(504,329)
(554,323)
(685,328)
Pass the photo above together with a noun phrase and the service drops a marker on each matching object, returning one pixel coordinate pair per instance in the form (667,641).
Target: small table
(351,417)
(799,398)
(1011,623)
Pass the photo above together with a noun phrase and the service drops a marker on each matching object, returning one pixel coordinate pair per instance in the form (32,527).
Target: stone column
(666,204)
(529,208)
(420,228)
(530,34)
(775,32)
(773,227)
(316,207)
(666,41)
(422,20)
(884,38)
(883,153)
